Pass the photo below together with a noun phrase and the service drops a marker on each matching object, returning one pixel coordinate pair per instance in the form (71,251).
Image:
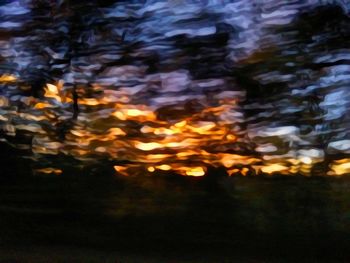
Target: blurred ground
(174,219)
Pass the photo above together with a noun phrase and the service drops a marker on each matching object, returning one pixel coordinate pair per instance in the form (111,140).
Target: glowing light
(244,171)
(340,167)
(119,115)
(173,144)
(147,146)
(116,132)
(185,154)
(151,169)
(156,157)
(42,105)
(306,160)
(181,124)
(227,161)
(195,171)
(49,170)
(121,169)
(164,167)
(134,112)
(52,88)
(231,137)
(164,131)
(90,101)
(272,168)
(52,91)
(101,149)
(140,113)
(7,78)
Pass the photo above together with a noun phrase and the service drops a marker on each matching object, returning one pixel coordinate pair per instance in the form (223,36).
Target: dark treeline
(286,66)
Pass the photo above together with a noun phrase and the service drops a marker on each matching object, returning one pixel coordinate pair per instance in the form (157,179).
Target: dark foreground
(174,219)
